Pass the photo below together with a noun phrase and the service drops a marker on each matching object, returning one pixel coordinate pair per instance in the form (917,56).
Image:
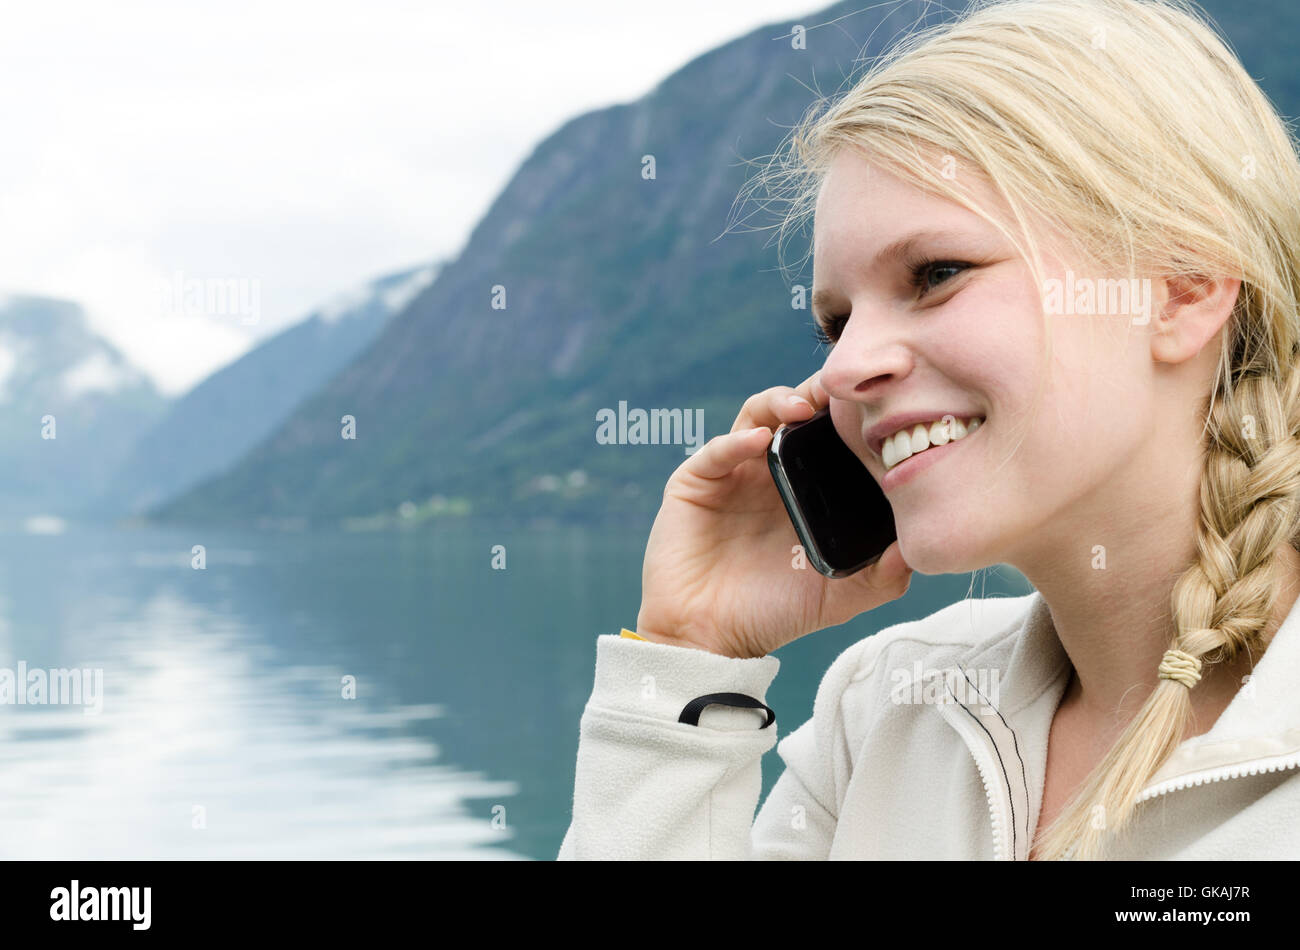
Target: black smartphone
(843,519)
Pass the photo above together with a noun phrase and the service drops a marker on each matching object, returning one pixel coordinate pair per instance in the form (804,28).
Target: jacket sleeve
(799,818)
(652,788)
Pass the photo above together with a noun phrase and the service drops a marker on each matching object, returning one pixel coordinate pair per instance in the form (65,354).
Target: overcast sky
(301,148)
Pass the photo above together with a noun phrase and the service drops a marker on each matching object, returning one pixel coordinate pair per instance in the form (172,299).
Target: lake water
(224,728)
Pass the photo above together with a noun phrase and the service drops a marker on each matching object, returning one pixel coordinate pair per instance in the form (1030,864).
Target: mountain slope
(70,408)
(615,291)
(214,424)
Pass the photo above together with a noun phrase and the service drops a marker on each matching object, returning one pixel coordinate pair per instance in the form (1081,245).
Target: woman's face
(1045,472)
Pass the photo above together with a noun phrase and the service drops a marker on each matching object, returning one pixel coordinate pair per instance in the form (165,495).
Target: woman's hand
(719,570)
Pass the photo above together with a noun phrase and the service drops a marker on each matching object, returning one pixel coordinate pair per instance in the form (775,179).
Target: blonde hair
(1131,127)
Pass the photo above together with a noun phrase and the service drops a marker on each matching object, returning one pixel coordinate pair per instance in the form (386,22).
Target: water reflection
(212,742)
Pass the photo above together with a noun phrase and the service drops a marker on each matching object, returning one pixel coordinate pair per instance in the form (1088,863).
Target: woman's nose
(864,360)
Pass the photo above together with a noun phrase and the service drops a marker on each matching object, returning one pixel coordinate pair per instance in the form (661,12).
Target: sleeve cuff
(640,677)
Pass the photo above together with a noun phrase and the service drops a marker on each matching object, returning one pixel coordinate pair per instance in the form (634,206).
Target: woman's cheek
(848,425)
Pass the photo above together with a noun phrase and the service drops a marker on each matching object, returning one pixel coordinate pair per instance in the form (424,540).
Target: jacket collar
(1028,657)
(1261,723)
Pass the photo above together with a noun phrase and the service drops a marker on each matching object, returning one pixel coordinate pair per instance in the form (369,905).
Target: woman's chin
(928,555)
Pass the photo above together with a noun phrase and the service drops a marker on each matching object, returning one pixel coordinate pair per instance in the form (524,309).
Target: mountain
(214,424)
(615,291)
(621,292)
(70,408)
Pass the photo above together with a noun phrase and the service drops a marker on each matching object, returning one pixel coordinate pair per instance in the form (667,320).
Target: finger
(812,390)
(722,453)
(886,580)
(891,570)
(774,407)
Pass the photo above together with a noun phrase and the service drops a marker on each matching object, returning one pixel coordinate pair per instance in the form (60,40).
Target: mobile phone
(843,519)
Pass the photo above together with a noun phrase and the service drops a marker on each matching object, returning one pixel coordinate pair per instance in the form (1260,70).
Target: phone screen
(841,516)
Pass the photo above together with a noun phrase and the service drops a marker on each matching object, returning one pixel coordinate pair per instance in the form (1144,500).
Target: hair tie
(1180,667)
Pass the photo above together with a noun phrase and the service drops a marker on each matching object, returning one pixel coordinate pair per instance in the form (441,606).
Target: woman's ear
(1193,311)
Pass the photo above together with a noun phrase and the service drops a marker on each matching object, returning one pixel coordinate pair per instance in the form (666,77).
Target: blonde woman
(1132,448)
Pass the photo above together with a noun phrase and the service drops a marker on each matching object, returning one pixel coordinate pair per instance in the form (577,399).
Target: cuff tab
(691,712)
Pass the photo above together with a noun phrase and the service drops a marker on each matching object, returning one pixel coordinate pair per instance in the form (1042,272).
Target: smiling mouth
(914,440)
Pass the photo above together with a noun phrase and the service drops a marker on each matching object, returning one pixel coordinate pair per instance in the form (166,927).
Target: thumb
(891,567)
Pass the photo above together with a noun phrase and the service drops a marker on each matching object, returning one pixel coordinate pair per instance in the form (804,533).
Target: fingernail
(797,401)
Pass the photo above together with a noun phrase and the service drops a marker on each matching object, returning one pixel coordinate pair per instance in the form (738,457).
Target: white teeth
(902,445)
(905,443)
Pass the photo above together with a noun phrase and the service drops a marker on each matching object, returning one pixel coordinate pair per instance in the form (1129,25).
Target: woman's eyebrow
(902,248)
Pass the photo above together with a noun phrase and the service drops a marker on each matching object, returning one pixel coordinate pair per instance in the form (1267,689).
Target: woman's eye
(827,330)
(922,271)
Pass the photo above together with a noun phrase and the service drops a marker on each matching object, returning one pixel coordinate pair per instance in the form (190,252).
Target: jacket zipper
(999,805)
(1277,763)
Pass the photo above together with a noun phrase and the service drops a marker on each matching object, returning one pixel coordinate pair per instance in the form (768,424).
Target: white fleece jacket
(905,757)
